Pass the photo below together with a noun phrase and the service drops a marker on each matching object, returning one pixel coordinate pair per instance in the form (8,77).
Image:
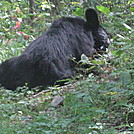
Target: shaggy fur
(47,59)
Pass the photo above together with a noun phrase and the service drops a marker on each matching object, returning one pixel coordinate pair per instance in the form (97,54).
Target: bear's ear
(92,18)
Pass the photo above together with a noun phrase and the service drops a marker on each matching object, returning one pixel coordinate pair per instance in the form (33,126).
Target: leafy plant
(101,103)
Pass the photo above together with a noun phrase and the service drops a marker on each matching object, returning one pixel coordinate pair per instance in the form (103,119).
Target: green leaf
(84,57)
(125,78)
(103,9)
(78,12)
(128,27)
(119,52)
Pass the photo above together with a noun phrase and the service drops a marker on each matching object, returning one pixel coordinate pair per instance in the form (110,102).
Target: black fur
(47,59)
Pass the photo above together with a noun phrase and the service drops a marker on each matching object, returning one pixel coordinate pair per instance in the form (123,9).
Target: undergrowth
(93,104)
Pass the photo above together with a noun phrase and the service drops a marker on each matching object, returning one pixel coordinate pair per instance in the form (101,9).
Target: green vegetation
(102,104)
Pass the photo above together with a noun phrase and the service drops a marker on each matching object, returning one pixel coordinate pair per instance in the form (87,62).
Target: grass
(92,104)
(89,106)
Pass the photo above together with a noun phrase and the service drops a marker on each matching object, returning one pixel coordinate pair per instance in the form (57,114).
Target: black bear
(47,59)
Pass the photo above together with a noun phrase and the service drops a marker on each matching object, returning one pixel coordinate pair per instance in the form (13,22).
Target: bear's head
(101,40)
